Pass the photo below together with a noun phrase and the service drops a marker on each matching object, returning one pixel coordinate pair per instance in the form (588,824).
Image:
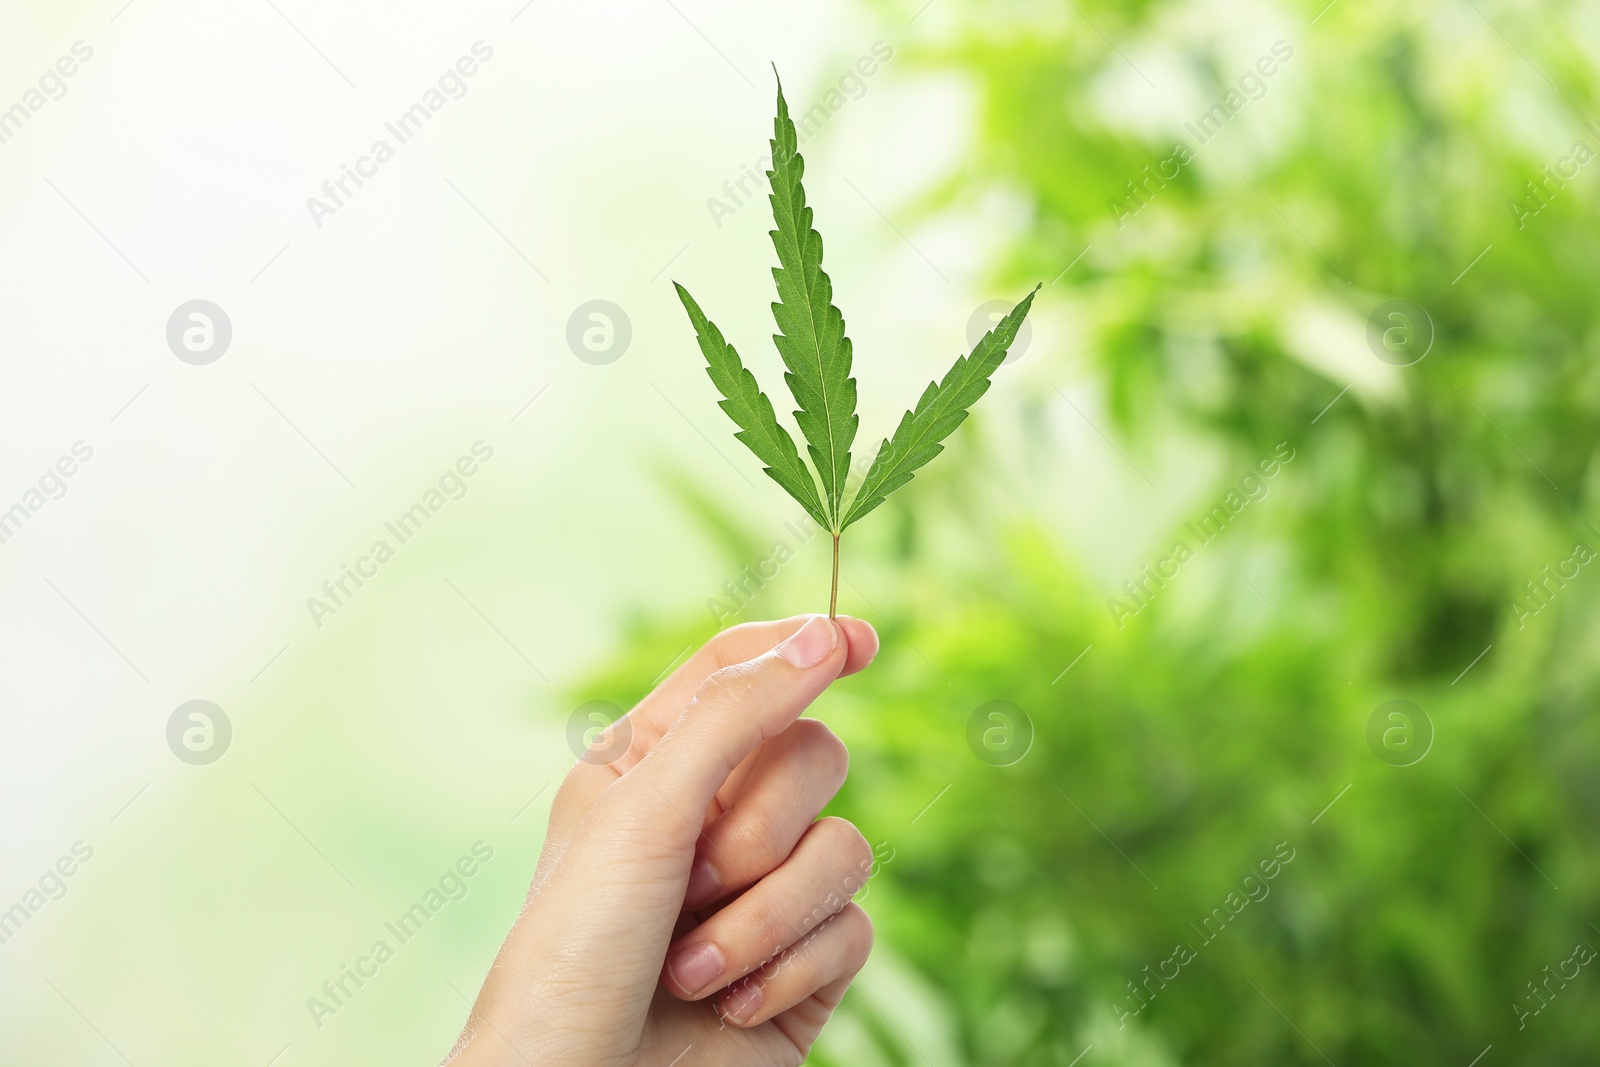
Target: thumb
(632,857)
(661,802)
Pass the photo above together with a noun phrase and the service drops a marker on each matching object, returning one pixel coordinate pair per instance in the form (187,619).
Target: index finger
(734,710)
(644,726)
(653,715)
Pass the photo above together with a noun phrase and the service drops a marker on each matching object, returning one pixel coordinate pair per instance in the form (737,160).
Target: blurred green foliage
(1384,158)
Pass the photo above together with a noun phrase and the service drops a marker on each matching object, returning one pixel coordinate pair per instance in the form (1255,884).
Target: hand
(672,873)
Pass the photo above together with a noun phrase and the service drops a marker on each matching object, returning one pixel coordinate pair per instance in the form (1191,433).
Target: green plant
(812,342)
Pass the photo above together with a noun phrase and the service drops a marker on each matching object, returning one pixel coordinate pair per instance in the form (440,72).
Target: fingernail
(741,1004)
(703,884)
(695,968)
(811,645)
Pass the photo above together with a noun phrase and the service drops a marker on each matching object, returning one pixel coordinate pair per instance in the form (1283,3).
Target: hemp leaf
(810,334)
(817,355)
(942,408)
(752,412)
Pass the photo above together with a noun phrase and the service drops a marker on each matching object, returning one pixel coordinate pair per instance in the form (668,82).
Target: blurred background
(1236,699)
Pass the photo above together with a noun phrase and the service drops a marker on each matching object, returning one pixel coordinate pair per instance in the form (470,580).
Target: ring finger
(790,781)
(827,868)
(821,965)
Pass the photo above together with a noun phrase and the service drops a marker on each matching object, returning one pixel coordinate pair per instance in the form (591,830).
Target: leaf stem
(833,598)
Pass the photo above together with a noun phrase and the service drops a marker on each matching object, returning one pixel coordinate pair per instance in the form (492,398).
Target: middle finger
(789,782)
(828,867)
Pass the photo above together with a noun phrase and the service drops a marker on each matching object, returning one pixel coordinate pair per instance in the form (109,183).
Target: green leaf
(811,335)
(752,412)
(942,408)
(817,355)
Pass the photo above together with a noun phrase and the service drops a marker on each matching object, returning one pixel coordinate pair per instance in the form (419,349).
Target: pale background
(366,357)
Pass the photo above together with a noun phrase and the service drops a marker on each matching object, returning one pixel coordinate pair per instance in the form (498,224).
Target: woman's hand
(688,908)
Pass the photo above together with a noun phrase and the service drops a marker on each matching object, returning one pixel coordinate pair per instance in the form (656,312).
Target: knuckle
(753,838)
(772,927)
(859,931)
(846,843)
(613,809)
(727,685)
(831,753)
